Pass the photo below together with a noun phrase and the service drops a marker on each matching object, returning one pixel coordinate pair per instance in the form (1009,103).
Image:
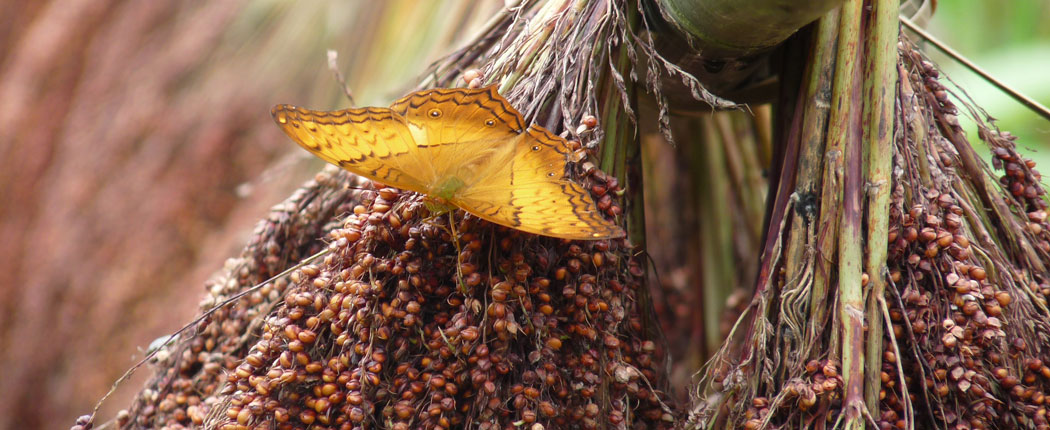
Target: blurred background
(138,152)
(1013,44)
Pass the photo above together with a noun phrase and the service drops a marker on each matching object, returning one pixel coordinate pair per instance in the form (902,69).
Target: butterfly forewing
(463,132)
(372,142)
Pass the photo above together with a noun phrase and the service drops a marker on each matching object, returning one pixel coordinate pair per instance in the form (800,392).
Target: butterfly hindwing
(533,195)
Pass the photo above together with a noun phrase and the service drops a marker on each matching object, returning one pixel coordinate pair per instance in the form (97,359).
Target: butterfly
(465,147)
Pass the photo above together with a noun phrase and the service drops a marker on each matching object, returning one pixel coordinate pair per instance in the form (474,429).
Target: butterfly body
(448,188)
(464,147)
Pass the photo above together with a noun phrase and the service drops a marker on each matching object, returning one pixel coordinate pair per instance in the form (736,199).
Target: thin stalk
(880,89)
(716,263)
(534,46)
(815,114)
(618,126)
(761,122)
(917,126)
(784,168)
(1033,105)
(844,133)
(740,158)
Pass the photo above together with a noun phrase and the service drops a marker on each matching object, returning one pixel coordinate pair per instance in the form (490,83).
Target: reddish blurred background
(138,151)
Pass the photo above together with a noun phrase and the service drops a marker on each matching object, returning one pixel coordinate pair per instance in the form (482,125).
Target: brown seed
(307,336)
(919,326)
(927,234)
(911,234)
(941,390)
(970,307)
(470,75)
(949,340)
(944,239)
(244,416)
(1003,298)
(932,249)
(469,334)
(993,309)
(307,416)
(952,221)
(590,121)
(560,273)
(977,273)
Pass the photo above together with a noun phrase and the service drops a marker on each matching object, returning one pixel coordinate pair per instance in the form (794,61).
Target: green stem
(880,89)
(711,176)
(844,132)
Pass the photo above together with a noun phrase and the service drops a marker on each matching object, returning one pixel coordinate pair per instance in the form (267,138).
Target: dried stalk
(804,261)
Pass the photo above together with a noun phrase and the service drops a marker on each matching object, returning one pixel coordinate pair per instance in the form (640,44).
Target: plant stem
(811,156)
(844,132)
(880,89)
(716,250)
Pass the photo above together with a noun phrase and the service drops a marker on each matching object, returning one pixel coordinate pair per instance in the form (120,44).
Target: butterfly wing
(452,116)
(372,142)
(467,145)
(530,193)
(464,132)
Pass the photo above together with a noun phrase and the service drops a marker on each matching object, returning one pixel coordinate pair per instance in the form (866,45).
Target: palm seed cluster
(405,325)
(963,335)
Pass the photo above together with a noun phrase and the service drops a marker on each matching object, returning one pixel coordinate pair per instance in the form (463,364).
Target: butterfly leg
(455,241)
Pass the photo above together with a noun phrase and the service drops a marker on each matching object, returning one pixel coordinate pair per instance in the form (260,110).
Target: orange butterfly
(466,147)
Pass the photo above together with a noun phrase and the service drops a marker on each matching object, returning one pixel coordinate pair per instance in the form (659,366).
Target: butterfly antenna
(171,338)
(333,56)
